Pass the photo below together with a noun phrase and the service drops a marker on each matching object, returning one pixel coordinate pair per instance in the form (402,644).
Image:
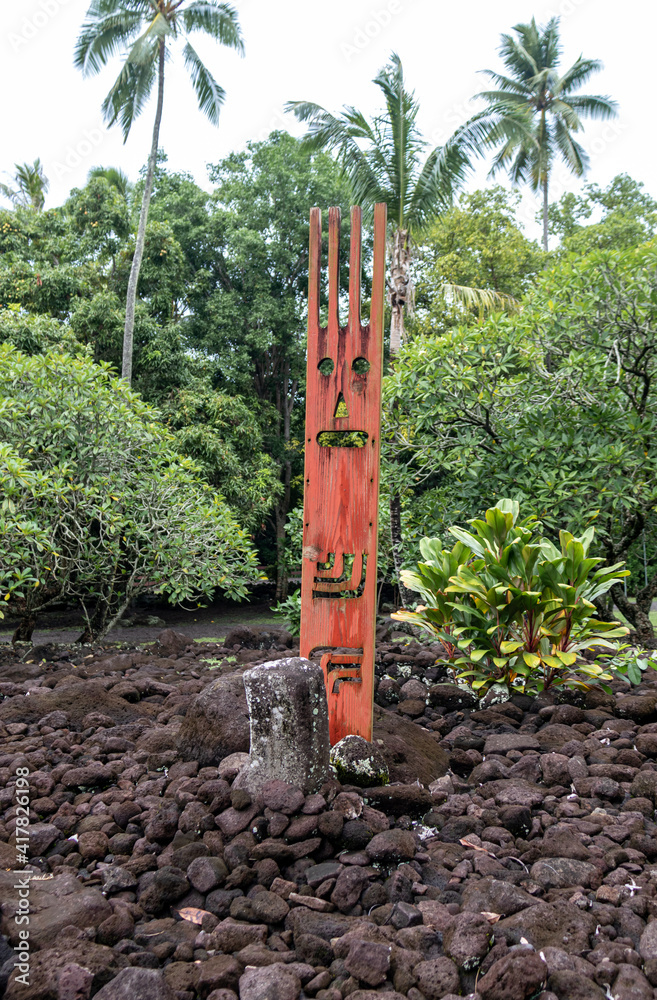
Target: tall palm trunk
(399,282)
(545,212)
(133,281)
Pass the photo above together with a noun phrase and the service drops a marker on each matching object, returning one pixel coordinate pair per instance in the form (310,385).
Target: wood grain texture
(342,483)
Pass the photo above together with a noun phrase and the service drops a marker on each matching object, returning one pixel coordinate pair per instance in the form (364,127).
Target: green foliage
(627,666)
(385,159)
(628,217)
(22,493)
(31,186)
(122,512)
(35,333)
(510,607)
(476,244)
(289,611)
(224,437)
(554,407)
(99,211)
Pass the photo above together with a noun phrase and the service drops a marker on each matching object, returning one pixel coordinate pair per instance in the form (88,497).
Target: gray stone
(517,976)
(117,879)
(496,896)
(559,925)
(560,873)
(368,961)
(54,903)
(206,874)
(74,983)
(147,984)
(289,725)
(42,835)
(359,763)
(216,723)
(648,942)
(467,940)
(411,753)
(502,742)
(270,982)
(437,976)
(392,845)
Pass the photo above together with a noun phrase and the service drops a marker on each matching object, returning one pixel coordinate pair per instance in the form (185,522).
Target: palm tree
(31,186)
(144,30)
(535,111)
(114,177)
(385,160)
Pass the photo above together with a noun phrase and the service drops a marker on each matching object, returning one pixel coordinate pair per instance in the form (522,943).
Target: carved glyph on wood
(342,447)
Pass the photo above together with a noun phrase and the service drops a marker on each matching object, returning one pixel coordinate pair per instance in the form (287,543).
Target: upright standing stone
(289,725)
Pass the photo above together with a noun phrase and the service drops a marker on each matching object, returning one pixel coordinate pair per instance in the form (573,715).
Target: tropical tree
(30,186)
(114,176)
(533,114)
(144,31)
(384,161)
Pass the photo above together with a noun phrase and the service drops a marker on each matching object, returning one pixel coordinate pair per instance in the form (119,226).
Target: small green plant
(626,665)
(212,663)
(511,608)
(290,611)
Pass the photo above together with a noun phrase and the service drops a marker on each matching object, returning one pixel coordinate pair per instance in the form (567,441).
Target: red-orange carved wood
(342,483)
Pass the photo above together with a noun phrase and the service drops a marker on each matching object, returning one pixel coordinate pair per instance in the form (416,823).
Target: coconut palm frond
(483,300)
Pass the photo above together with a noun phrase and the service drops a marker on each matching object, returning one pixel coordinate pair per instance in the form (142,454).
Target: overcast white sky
(326,52)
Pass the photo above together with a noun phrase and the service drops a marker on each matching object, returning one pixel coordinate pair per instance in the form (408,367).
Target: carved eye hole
(361,366)
(326,366)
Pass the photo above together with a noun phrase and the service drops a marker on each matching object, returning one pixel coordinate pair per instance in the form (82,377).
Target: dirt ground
(212,622)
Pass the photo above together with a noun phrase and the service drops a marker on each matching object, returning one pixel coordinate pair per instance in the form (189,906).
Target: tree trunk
(638,614)
(397,544)
(25,628)
(102,621)
(133,280)
(282,582)
(545,213)
(398,289)
(285,404)
(398,286)
(95,624)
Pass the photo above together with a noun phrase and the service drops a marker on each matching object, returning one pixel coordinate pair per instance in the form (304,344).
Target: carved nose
(341,410)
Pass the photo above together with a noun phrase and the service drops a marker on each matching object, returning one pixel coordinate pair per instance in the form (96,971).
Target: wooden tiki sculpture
(343,398)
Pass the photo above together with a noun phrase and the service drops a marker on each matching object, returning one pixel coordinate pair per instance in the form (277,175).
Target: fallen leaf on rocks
(492,918)
(192,914)
(475,847)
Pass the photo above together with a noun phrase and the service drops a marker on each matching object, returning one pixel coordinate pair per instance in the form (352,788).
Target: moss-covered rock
(358,762)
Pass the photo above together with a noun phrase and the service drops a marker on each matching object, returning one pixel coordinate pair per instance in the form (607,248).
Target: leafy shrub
(625,665)
(510,607)
(86,466)
(289,611)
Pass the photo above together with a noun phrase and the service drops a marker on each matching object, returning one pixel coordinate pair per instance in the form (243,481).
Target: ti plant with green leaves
(510,607)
